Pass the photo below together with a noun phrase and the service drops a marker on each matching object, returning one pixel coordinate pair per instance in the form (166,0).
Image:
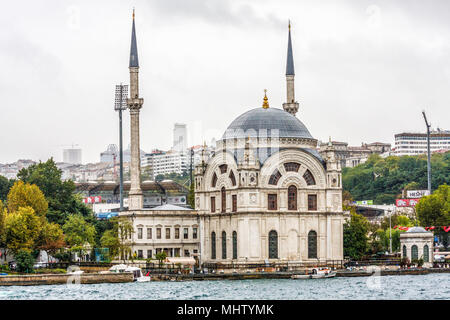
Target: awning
(181,260)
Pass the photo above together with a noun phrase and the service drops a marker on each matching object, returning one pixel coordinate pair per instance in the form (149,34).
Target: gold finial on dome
(266,101)
(133,13)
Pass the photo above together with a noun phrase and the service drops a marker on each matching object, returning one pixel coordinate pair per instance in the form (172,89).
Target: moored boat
(316,273)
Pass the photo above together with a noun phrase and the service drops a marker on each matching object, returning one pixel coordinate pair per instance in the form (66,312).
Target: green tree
(78,232)
(2,225)
(62,201)
(24,260)
(27,195)
(22,229)
(125,232)
(111,241)
(51,238)
(160,257)
(384,179)
(396,220)
(434,210)
(5,185)
(356,241)
(116,236)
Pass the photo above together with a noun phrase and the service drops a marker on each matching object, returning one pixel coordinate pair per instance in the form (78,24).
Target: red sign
(406,202)
(96,199)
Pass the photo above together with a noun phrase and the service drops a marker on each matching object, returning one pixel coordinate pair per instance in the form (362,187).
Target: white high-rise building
(416,143)
(72,156)
(179,137)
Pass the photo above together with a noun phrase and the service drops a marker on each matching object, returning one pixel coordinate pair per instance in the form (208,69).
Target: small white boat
(137,272)
(316,273)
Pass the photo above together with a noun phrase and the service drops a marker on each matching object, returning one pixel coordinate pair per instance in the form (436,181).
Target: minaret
(135,198)
(291,105)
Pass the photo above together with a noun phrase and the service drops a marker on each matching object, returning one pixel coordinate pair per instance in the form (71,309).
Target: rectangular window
(177,252)
(234,202)
(149,254)
(272,202)
(312,202)
(139,233)
(186,253)
(177,233)
(186,233)
(167,233)
(149,233)
(213,204)
(194,233)
(140,254)
(158,233)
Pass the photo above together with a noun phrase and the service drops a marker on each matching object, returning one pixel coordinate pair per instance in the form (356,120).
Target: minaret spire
(291,105)
(135,199)
(134,61)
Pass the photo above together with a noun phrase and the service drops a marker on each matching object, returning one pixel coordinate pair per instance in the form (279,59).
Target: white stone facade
(174,230)
(423,242)
(250,220)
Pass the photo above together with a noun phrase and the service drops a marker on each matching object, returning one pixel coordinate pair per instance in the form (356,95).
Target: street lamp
(428,151)
(390,232)
(119,105)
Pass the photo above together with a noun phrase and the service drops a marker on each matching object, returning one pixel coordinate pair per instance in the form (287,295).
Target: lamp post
(428,152)
(390,232)
(119,105)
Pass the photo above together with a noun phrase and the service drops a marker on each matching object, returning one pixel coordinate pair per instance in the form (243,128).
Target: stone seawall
(46,279)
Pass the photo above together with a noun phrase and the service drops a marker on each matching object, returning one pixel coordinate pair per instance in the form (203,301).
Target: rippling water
(431,286)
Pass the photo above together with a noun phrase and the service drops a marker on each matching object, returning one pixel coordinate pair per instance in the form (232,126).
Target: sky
(365,70)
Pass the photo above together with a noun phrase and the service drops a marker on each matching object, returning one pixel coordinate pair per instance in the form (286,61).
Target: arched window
(214,180)
(426,253)
(404,251)
(273,245)
(234,245)
(414,253)
(224,199)
(292,198)
(312,245)
(291,166)
(232,178)
(309,178)
(276,175)
(224,245)
(223,168)
(213,245)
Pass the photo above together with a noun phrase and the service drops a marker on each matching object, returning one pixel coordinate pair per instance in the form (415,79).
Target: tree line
(39,211)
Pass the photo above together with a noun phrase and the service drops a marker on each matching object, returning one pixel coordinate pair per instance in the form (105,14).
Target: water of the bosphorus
(430,286)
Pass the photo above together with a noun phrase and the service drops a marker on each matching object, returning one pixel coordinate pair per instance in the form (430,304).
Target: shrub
(25,261)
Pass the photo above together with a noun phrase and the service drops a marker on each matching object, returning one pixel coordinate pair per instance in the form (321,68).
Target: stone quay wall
(48,279)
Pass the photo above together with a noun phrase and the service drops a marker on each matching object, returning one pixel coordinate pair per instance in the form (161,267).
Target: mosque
(266,195)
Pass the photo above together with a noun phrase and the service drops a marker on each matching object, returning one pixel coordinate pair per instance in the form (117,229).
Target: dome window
(309,178)
(291,166)
(276,175)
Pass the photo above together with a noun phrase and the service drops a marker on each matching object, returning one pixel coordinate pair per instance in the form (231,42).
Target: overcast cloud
(364,69)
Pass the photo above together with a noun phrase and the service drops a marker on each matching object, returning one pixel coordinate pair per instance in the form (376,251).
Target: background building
(410,144)
(111,154)
(72,156)
(179,137)
(352,156)
(155,193)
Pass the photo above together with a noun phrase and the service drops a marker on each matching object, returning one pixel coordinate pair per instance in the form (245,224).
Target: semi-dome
(266,122)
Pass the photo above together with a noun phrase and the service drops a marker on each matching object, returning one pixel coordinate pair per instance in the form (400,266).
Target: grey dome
(266,122)
(417,230)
